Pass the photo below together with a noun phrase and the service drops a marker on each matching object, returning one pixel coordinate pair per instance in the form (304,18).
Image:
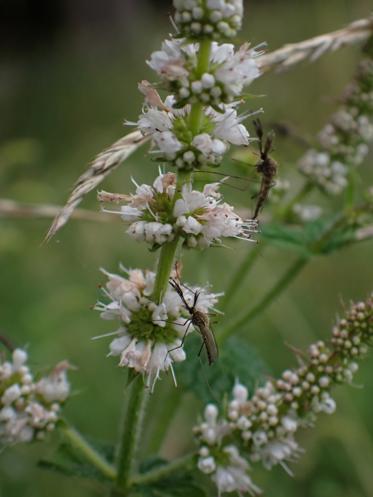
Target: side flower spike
(262,429)
(29,407)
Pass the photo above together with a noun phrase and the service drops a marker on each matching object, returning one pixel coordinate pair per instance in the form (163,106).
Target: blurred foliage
(62,102)
(236,361)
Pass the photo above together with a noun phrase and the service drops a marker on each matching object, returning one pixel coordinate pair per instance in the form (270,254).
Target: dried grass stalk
(100,167)
(313,48)
(11,209)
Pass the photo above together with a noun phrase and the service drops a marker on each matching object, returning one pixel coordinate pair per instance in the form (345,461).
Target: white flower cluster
(344,140)
(262,429)
(173,141)
(307,213)
(201,218)
(215,19)
(150,336)
(230,71)
(29,408)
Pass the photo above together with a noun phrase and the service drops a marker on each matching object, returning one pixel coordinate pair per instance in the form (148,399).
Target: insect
(201,321)
(267,167)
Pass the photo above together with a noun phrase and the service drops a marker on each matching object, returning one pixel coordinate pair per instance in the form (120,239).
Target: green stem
(168,250)
(239,275)
(203,63)
(164,413)
(195,118)
(129,438)
(164,268)
(246,265)
(164,471)
(87,451)
(287,278)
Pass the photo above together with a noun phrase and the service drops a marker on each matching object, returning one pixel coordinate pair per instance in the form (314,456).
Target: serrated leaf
(295,238)
(237,360)
(179,484)
(152,463)
(77,470)
(68,461)
(312,238)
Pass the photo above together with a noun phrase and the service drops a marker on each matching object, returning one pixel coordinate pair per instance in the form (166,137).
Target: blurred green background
(69,75)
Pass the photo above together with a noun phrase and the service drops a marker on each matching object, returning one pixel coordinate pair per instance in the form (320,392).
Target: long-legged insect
(201,321)
(267,167)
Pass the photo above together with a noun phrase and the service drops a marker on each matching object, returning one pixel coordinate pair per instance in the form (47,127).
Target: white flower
(170,60)
(55,387)
(207,465)
(19,359)
(209,146)
(237,70)
(234,477)
(328,405)
(150,336)
(279,451)
(130,213)
(330,175)
(214,220)
(230,71)
(28,410)
(167,143)
(228,127)
(11,394)
(214,18)
(240,393)
(198,216)
(307,213)
(190,201)
(154,120)
(172,143)
(343,141)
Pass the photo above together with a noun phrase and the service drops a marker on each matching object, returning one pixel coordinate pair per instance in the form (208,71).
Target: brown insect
(201,321)
(267,167)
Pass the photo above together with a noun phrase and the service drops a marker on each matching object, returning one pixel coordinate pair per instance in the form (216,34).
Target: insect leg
(182,340)
(200,350)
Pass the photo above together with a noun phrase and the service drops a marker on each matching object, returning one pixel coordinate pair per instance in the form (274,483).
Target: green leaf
(294,238)
(179,484)
(237,361)
(322,236)
(69,462)
(77,470)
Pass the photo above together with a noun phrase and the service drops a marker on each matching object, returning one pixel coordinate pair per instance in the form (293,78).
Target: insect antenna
(259,132)
(269,142)
(175,285)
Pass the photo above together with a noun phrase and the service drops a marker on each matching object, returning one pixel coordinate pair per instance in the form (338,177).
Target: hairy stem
(163,471)
(163,414)
(165,262)
(196,114)
(129,437)
(87,451)
(168,250)
(284,282)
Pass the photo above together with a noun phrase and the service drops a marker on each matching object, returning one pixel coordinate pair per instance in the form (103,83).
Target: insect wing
(210,344)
